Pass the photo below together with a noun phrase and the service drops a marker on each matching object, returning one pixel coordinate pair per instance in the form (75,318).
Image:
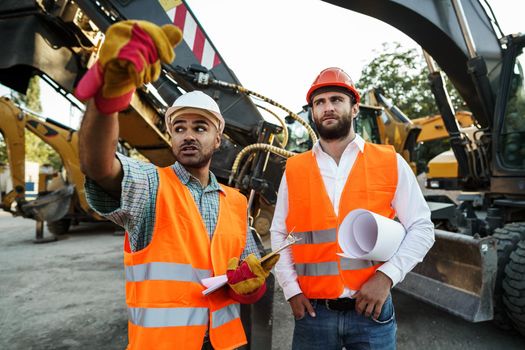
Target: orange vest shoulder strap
(382,159)
(234,196)
(299,163)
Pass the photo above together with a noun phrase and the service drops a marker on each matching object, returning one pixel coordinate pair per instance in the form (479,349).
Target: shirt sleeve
(285,268)
(251,246)
(134,211)
(413,213)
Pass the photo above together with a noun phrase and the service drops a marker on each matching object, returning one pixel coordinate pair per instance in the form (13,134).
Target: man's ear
(218,140)
(355,110)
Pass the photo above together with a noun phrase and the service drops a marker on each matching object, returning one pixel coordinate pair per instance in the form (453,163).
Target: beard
(335,131)
(199,159)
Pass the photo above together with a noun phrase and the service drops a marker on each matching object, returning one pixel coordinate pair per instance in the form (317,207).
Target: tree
(3,151)
(403,76)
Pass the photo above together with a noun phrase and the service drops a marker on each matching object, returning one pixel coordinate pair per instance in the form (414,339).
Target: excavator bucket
(457,275)
(50,207)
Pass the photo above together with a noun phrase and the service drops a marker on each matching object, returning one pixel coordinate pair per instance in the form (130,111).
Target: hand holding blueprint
(216,282)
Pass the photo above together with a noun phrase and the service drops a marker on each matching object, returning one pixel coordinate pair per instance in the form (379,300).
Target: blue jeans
(333,330)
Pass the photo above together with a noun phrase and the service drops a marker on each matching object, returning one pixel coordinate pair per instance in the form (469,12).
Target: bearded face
(193,154)
(333,115)
(333,127)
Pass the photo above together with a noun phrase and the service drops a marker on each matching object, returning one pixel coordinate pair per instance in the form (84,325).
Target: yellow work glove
(130,56)
(250,275)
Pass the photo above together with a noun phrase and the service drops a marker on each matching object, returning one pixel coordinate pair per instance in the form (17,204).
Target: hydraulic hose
(242,89)
(283,123)
(257,147)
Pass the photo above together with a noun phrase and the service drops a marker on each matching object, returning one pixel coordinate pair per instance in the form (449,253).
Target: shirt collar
(185,177)
(357,141)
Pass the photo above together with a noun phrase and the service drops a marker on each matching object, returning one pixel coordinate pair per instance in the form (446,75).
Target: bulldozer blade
(457,275)
(50,207)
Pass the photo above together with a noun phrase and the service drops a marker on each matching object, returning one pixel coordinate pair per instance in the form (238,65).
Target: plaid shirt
(135,211)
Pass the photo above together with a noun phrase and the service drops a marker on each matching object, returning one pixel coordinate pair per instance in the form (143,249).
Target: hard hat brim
(174,112)
(351,89)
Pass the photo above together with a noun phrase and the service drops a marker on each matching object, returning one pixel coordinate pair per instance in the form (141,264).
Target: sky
(277,47)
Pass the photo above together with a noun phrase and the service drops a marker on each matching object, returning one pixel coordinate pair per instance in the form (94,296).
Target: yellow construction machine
(395,128)
(61,201)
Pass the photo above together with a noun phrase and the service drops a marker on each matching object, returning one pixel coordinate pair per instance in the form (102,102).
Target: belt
(342,304)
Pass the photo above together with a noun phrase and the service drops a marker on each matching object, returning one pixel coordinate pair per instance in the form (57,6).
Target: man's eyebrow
(198,121)
(202,121)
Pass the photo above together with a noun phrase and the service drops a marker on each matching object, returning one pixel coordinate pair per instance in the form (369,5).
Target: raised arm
(98,137)
(130,56)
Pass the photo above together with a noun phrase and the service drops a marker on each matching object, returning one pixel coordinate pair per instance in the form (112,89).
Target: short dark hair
(340,89)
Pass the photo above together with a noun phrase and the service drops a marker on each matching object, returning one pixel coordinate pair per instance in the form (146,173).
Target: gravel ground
(70,294)
(420,326)
(61,295)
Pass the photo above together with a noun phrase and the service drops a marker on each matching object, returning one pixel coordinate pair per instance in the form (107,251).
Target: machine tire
(507,240)
(59,227)
(514,288)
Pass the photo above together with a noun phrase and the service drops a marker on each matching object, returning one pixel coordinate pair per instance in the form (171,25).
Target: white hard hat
(199,103)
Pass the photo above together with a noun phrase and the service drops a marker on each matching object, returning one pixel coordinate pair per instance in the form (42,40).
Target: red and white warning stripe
(194,36)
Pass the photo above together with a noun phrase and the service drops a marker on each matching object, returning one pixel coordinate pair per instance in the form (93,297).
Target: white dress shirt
(410,206)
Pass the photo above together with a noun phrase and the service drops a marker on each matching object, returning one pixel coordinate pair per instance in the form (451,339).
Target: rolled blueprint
(366,235)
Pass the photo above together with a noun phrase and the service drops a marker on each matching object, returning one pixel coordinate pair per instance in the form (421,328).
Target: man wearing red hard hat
(339,302)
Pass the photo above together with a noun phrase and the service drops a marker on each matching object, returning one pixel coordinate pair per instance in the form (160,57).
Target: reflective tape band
(316,237)
(225,315)
(165,272)
(317,269)
(168,317)
(355,264)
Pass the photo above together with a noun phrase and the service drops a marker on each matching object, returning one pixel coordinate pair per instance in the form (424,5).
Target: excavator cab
(510,148)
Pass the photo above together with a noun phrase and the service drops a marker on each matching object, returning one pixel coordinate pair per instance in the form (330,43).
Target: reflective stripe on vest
(315,237)
(322,268)
(355,264)
(317,269)
(168,317)
(225,315)
(165,271)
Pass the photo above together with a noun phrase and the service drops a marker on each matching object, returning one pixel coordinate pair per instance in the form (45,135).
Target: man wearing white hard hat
(181,226)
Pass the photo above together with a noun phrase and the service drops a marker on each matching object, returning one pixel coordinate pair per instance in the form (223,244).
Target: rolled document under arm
(366,235)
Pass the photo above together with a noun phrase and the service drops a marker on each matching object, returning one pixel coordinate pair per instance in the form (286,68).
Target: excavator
(405,134)
(60,201)
(475,269)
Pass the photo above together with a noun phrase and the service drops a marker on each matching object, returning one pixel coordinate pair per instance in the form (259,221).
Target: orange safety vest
(371,185)
(166,308)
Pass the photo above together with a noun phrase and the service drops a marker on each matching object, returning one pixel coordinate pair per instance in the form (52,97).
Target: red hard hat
(333,77)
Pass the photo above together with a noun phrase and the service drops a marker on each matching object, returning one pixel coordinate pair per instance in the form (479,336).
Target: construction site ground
(69,294)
